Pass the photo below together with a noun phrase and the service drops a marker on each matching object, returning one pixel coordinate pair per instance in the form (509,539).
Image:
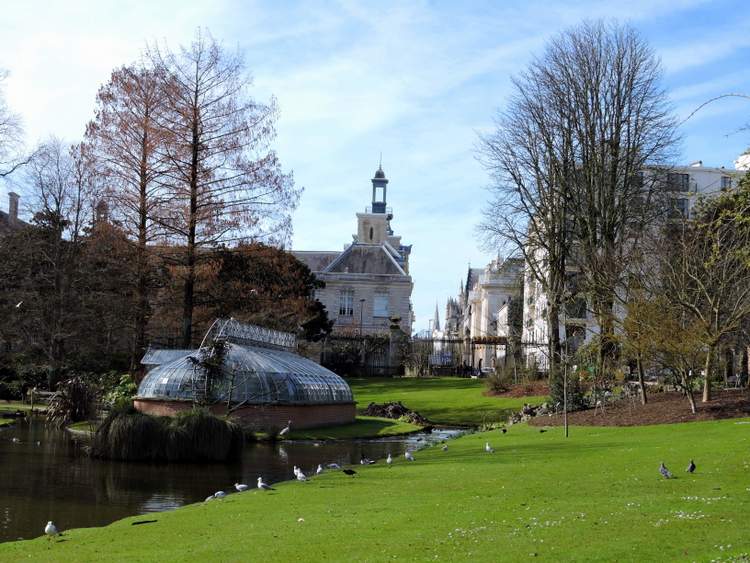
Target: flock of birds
(51,530)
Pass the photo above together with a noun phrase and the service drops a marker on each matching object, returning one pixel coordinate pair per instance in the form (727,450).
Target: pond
(46,475)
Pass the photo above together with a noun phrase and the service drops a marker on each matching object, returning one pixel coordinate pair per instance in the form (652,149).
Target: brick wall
(263,417)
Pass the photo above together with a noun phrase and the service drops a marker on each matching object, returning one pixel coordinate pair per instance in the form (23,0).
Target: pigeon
(664,471)
(50,530)
(445,447)
(350,472)
(241,487)
(542,430)
(691,467)
(408,456)
(503,430)
(365,461)
(263,486)
(284,431)
(219,494)
(333,466)
(319,470)
(489,449)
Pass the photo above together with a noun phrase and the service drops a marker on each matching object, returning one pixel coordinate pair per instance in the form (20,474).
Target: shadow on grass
(363,427)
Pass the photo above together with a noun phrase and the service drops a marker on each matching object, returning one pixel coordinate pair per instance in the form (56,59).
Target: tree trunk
(187,309)
(141,310)
(707,376)
(554,339)
(641,380)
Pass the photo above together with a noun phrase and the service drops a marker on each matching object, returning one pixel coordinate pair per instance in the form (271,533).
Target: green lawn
(13,406)
(363,427)
(6,421)
(595,496)
(443,400)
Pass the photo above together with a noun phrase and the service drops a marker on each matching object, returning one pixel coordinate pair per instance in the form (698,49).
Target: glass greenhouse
(258,368)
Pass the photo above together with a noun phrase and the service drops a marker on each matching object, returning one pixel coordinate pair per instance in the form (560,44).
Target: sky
(415,81)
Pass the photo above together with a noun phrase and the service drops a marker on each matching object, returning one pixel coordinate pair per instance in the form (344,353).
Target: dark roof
(379,173)
(5,225)
(316,260)
(366,259)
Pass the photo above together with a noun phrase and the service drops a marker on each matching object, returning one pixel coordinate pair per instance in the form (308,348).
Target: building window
(380,304)
(726,182)
(346,303)
(678,182)
(371,233)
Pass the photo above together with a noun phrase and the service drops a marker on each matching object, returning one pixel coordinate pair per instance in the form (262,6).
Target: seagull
(50,530)
(219,494)
(489,449)
(263,486)
(319,470)
(334,466)
(301,476)
(408,456)
(389,459)
(445,448)
(350,472)
(691,467)
(210,497)
(241,487)
(365,461)
(18,306)
(284,431)
(664,471)
(296,470)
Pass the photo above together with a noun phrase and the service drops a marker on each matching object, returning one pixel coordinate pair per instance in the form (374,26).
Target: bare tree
(129,147)
(225,181)
(11,136)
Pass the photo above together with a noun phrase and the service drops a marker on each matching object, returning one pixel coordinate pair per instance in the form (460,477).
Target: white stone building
(684,184)
(368,282)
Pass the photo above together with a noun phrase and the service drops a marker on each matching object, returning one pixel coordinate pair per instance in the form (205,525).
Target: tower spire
(436,321)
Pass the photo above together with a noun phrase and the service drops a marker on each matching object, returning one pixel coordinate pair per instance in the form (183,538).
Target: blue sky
(415,80)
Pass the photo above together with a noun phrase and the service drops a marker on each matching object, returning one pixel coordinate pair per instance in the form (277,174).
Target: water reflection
(47,476)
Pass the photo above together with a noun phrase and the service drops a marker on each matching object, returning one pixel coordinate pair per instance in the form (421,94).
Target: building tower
(436,320)
(379,184)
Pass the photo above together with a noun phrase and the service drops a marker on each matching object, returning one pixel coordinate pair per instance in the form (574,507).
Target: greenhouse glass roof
(253,373)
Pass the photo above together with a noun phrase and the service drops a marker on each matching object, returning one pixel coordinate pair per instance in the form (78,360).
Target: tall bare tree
(128,144)
(11,135)
(608,81)
(226,182)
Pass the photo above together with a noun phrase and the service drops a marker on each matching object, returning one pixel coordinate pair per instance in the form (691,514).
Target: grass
(443,400)
(363,427)
(595,496)
(6,422)
(13,406)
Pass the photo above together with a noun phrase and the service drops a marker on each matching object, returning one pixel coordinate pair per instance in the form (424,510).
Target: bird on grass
(301,477)
(503,430)
(445,447)
(691,467)
(664,471)
(284,431)
(333,466)
(408,456)
(263,486)
(350,472)
(241,487)
(219,494)
(365,461)
(50,530)
(319,470)
(489,449)
(209,497)
(542,430)
(296,470)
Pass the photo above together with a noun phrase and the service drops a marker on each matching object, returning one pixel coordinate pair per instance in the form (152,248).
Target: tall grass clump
(195,435)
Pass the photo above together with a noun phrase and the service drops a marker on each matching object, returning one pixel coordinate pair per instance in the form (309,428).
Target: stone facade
(368,282)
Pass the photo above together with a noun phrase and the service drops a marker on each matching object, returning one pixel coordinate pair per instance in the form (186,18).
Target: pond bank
(524,501)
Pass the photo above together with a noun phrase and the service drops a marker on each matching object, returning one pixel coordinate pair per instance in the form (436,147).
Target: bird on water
(284,431)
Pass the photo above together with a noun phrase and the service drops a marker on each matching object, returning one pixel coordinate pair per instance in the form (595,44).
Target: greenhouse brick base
(270,417)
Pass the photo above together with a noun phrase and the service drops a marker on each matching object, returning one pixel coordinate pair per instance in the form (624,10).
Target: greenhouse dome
(259,371)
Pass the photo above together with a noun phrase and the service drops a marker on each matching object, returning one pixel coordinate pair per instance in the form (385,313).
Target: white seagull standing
(301,476)
(263,486)
(319,470)
(489,449)
(50,530)
(408,456)
(241,487)
(284,431)
(389,459)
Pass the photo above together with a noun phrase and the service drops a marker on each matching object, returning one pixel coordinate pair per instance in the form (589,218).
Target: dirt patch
(662,408)
(396,411)
(522,390)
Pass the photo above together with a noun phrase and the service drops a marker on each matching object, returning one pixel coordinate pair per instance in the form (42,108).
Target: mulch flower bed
(662,408)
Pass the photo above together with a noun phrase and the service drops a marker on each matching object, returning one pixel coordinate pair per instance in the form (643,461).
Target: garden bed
(662,408)
(533,389)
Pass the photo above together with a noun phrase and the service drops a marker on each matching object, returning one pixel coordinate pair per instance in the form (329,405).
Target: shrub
(74,401)
(500,381)
(194,435)
(575,394)
(122,393)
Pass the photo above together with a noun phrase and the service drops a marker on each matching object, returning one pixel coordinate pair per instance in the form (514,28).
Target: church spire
(436,321)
